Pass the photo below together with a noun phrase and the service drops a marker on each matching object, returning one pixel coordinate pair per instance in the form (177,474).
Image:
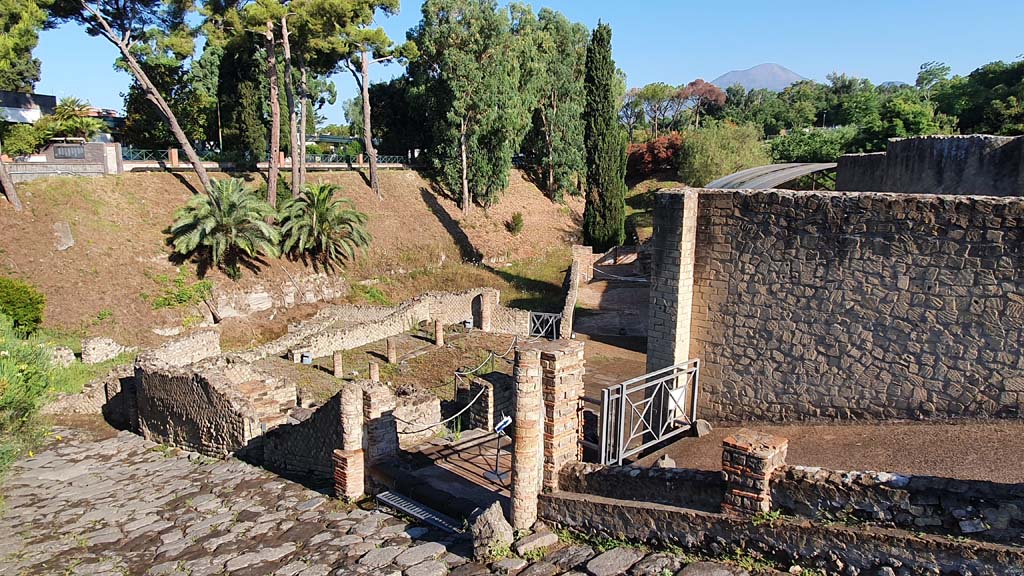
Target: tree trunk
(303,120)
(289,90)
(465,169)
(153,95)
(275,115)
(8,187)
(549,165)
(371,152)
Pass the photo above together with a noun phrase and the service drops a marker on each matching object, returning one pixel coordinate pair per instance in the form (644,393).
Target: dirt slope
(118,223)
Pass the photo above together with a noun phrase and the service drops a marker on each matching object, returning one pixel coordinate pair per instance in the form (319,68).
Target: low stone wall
(414,412)
(835,548)
(972,164)
(303,447)
(696,489)
(497,400)
(94,395)
(303,289)
(348,327)
(983,510)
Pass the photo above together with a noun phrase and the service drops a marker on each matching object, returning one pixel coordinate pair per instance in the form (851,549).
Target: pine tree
(604,217)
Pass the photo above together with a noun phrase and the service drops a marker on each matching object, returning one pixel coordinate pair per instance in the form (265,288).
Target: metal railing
(640,413)
(392,159)
(142,155)
(330,158)
(545,324)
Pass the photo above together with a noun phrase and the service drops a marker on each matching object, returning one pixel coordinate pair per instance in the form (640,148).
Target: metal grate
(418,511)
(545,325)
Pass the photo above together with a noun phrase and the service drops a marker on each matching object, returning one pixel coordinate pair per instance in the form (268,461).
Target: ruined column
(392,350)
(671,291)
(487,302)
(349,462)
(374,372)
(562,383)
(527,444)
(438,333)
(338,364)
(748,460)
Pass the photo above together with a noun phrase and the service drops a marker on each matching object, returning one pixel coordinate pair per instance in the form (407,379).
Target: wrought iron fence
(330,158)
(647,410)
(141,155)
(545,324)
(392,159)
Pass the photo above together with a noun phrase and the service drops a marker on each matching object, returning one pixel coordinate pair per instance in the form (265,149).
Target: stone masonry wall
(975,164)
(304,449)
(979,509)
(347,327)
(697,489)
(811,305)
(671,291)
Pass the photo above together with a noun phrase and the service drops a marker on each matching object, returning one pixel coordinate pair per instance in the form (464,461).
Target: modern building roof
(24,108)
(770,176)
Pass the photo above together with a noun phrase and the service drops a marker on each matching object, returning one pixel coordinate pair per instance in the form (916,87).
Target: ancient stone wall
(496,401)
(696,489)
(812,305)
(347,327)
(982,510)
(303,448)
(580,271)
(971,165)
(835,548)
(416,413)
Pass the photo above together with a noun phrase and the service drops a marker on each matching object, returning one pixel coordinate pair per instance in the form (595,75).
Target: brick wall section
(823,305)
(303,449)
(497,400)
(349,474)
(671,291)
(381,432)
(562,368)
(748,461)
(527,445)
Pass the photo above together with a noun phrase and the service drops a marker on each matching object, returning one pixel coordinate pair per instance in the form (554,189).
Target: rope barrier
(623,278)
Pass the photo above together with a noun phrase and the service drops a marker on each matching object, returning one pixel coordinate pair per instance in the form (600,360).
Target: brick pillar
(374,372)
(562,384)
(172,157)
(438,333)
(527,443)
(671,290)
(339,365)
(381,438)
(392,350)
(748,460)
(349,462)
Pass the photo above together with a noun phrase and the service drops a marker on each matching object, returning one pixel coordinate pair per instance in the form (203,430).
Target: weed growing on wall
(371,295)
(178,291)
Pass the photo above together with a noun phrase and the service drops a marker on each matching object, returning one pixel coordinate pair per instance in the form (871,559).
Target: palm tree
(226,227)
(326,228)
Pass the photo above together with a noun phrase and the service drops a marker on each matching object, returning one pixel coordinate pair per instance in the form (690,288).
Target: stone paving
(123,505)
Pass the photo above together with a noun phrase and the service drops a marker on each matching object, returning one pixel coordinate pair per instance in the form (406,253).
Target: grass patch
(178,291)
(370,294)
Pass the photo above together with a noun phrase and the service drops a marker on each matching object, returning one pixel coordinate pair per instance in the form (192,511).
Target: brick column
(338,365)
(438,333)
(172,157)
(487,302)
(748,460)
(392,344)
(562,384)
(374,372)
(527,444)
(349,462)
(671,291)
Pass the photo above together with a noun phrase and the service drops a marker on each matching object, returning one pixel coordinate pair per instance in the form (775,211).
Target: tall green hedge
(22,303)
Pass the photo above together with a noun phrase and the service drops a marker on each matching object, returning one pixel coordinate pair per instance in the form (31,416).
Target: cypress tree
(604,217)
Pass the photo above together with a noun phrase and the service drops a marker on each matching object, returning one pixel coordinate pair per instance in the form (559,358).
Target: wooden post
(392,350)
(374,372)
(172,157)
(438,333)
(339,365)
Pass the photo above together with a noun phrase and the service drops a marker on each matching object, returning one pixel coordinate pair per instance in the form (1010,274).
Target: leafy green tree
(20,23)
(631,115)
(987,101)
(556,142)
(144,126)
(225,228)
(21,139)
(720,149)
(141,30)
(202,80)
(471,82)
(930,74)
(813,145)
(327,229)
(659,103)
(604,215)
(400,114)
(243,107)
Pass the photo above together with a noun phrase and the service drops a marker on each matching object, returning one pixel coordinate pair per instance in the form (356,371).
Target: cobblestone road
(122,505)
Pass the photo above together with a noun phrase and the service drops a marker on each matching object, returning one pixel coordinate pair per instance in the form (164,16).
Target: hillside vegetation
(120,263)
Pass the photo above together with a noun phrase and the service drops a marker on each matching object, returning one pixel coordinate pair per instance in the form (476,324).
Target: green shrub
(21,303)
(22,139)
(720,149)
(817,145)
(515,225)
(317,224)
(179,291)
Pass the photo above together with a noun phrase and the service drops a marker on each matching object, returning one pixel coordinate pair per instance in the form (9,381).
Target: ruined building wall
(304,449)
(850,305)
(962,165)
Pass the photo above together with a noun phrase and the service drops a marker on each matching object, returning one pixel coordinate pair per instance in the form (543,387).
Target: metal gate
(545,325)
(644,411)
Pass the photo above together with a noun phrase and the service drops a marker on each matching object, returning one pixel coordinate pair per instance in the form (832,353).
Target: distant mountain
(770,76)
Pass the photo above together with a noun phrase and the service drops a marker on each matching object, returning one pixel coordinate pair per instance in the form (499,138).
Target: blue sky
(678,41)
